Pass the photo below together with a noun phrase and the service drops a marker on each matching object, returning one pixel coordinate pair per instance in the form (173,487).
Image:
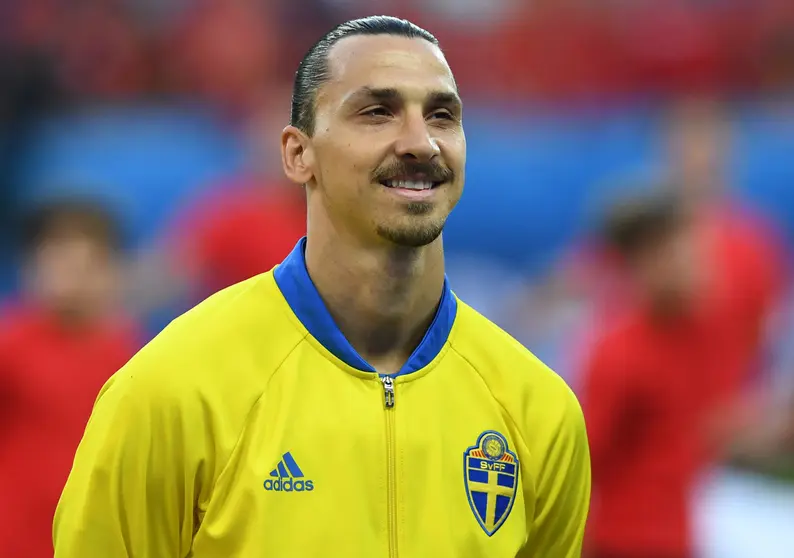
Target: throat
(387,344)
(385,326)
(382,298)
(382,305)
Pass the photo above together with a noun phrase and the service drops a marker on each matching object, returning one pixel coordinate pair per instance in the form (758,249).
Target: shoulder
(499,358)
(529,391)
(542,410)
(218,356)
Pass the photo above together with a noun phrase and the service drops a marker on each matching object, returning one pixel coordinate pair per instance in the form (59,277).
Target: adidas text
(288,485)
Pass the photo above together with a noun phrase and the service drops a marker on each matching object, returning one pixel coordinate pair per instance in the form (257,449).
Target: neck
(74,319)
(382,297)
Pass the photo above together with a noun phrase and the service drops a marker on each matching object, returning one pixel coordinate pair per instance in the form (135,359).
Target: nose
(416,141)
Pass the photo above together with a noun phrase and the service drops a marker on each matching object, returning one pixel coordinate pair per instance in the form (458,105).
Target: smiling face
(386,159)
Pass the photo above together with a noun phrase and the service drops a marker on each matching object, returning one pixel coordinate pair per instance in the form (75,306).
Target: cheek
(454,153)
(347,166)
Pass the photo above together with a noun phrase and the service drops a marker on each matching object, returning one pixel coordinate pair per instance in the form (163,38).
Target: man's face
(388,146)
(74,275)
(669,271)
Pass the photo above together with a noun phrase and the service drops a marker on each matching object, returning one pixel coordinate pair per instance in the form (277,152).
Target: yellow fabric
(183,440)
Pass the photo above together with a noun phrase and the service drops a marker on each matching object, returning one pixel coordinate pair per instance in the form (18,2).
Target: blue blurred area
(534,175)
(141,161)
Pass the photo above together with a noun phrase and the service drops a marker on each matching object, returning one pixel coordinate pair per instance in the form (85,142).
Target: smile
(417,189)
(410,184)
(415,182)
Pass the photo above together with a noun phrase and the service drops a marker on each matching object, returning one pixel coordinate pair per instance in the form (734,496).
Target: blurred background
(139,172)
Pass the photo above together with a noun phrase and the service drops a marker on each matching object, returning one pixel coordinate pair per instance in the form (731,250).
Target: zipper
(391,463)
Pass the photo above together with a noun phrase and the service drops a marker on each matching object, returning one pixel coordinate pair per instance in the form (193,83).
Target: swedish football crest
(491,478)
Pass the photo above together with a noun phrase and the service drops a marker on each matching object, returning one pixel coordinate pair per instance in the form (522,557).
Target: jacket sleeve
(563,489)
(128,494)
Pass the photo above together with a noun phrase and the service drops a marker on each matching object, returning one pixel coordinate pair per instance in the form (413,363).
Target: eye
(442,114)
(378,112)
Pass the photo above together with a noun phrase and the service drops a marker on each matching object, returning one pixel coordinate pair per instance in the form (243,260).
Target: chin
(414,236)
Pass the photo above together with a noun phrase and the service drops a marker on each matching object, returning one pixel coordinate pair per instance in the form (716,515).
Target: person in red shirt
(59,343)
(651,381)
(740,245)
(742,242)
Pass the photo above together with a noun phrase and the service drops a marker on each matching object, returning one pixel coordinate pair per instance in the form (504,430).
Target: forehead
(411,66)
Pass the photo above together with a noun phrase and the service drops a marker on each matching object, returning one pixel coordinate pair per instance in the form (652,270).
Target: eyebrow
(383,95)
(388,95)
(445,99)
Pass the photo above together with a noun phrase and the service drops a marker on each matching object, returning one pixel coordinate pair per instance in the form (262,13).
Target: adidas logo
(288,477)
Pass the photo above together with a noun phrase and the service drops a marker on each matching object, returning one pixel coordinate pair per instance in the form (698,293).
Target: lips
(415,184)
(413,176)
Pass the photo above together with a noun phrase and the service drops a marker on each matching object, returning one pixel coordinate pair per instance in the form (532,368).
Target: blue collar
(298,289)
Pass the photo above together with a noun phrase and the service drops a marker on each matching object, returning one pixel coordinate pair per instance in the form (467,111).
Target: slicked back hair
(314,70)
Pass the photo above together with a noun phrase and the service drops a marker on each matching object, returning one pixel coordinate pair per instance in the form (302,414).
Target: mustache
(434,172)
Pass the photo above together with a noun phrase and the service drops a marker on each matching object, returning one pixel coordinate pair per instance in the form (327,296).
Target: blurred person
(742,248)
(346,402)
(742,244)
(650,384)
(59,343)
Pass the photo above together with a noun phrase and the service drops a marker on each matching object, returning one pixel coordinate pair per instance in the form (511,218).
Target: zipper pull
(388,391)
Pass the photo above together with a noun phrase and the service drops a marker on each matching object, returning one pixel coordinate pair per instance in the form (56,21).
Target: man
(59,344)
(346,403)
(742,242)
(661,368)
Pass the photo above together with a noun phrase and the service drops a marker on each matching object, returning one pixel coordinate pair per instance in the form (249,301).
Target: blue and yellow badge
(491,477)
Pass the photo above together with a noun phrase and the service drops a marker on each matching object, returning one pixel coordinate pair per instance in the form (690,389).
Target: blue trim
(469,497)
(293,280)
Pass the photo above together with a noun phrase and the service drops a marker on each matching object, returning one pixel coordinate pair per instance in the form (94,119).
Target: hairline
(327,75)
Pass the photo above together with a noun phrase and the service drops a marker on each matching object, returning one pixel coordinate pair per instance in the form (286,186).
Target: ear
(297,155)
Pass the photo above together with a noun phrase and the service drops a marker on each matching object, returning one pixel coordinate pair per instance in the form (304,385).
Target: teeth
(409,184)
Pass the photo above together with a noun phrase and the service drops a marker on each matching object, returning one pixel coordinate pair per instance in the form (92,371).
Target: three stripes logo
(288,477)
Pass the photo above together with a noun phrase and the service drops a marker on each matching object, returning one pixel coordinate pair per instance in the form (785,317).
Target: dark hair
(313,70)
(69,217)
(632,225)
